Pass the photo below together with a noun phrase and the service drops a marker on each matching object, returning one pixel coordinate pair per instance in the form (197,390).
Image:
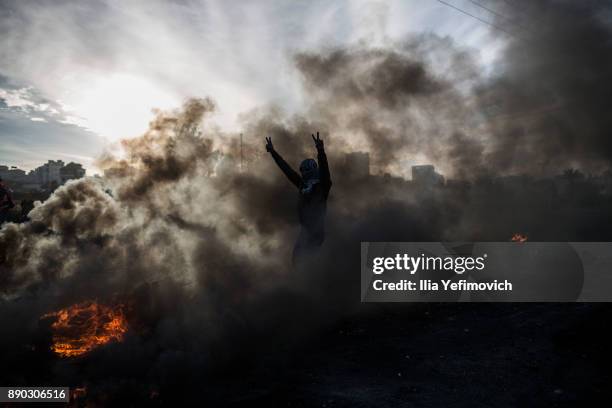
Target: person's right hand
(318,141)
(269,146)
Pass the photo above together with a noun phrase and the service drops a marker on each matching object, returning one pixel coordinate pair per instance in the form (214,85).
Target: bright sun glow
(116,106)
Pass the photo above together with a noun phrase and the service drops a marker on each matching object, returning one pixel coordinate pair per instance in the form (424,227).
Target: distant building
(12,174)
(358,163)
(49,173)
(48,176)
(72,171)
(426,175)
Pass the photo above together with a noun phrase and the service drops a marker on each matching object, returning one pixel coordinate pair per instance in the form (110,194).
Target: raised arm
(322,159)
(291,174)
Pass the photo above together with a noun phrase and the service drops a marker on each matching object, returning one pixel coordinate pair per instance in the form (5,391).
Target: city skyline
(47,176)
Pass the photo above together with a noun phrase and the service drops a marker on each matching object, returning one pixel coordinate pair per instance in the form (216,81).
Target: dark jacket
(312,205)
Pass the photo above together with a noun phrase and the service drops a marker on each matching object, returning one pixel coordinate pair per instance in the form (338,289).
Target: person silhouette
(6,202)
(313,184)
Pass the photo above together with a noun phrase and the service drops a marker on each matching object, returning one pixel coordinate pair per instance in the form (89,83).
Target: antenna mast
(241,157)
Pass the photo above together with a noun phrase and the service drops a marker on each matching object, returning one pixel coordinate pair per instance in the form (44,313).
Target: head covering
(310,175)
(309,169)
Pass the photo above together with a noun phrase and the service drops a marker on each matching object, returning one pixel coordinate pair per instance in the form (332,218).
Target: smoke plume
(194,232)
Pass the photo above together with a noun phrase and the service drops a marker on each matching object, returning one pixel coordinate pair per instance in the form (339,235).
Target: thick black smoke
(542,110)
(400,103)
(549,103)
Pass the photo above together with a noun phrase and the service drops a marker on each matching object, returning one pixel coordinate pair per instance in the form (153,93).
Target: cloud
(17,98)
(108,52)
(35,129)
(28,143)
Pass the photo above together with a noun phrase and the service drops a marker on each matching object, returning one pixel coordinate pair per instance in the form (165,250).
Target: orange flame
(518,238)
(78,393)
(80,328)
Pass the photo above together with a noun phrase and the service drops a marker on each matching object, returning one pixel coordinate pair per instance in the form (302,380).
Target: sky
(77,76)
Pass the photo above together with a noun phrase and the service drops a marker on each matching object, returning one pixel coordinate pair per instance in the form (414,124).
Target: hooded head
(309,170)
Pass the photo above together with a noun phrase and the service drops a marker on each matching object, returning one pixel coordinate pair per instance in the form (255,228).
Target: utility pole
(241,158)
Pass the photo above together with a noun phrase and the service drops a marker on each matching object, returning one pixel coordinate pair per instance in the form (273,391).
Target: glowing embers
(518,238)
(82,327)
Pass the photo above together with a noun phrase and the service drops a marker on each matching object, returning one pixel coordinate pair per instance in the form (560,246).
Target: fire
(518,238)
(78,393)
(82,327)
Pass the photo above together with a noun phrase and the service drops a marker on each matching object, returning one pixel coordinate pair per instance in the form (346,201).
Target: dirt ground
(447,355)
